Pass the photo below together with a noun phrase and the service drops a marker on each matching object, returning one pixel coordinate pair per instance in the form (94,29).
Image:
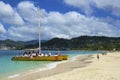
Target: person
(24,53)
(36,54)
(33,52)
(97,56)
(49,54)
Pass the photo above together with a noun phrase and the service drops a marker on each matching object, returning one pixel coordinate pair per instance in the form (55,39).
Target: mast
(39,30)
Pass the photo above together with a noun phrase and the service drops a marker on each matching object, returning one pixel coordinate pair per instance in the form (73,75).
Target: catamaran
(38,56)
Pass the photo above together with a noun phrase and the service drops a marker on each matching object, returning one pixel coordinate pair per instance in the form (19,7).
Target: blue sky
(59,18)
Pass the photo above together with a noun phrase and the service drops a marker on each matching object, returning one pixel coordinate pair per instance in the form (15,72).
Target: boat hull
(65,57)
(39,58)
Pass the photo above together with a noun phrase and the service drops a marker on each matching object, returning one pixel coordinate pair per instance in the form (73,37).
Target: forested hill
(10,44)
(82,43)
(78,43)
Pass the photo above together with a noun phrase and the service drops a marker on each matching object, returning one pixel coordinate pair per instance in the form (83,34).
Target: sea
(9,67)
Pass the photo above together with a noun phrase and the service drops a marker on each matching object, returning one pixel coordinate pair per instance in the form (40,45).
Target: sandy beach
(86,67)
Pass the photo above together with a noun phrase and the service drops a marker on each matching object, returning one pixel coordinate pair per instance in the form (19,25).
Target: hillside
(82,43)
(11,44)
(17,44)
(78,43)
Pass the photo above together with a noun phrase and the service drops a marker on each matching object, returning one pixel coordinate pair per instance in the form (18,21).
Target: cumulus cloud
(82,4)
(108,5)
(73,24)
(2,32)
(2,29)
(27,32)
(9,15)
(55,24)
(28,11)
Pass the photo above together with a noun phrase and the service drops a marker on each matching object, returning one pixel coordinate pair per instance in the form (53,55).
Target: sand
(86,67)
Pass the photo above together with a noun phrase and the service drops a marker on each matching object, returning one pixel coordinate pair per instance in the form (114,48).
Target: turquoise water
(8,67)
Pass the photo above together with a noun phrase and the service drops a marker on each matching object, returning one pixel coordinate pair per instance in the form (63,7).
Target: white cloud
(55,24)
(82,4)
(28,11)
(26,32)
(107,3)
(2,32)
(9,15)
(2,29)
(73,24)
(112,6)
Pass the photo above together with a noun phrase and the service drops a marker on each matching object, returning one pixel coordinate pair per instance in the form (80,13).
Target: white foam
(50,66)
(53,65)
(13,76)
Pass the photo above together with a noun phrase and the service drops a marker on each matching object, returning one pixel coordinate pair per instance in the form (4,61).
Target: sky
(58,18)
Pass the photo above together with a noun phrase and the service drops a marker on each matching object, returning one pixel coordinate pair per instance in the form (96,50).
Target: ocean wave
(13,76)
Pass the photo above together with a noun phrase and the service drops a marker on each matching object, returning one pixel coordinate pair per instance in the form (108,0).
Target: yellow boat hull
(39,58)
(65,57)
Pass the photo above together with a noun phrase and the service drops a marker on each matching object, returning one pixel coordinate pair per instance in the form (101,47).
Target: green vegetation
(11,44)
(84,43)
(78,43)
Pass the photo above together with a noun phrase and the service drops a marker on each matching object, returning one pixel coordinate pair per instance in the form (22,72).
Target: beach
(85,67)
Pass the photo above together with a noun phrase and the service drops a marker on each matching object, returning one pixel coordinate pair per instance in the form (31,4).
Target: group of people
(103,53)
(29,53)
(36,53)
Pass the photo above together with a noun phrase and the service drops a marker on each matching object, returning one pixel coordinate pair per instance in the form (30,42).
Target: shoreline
(107,67)
(52,69)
